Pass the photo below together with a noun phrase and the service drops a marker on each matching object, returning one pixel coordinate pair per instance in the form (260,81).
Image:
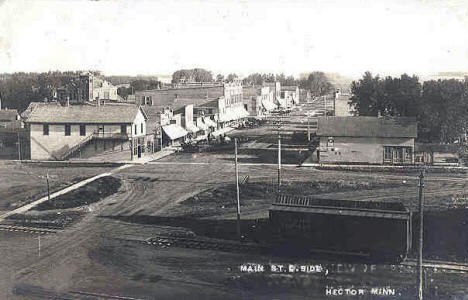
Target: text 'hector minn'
(353,291)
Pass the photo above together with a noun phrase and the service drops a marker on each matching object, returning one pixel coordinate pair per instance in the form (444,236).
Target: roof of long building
(367,127)
(84,114)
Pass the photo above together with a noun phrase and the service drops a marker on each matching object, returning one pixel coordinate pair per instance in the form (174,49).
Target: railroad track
(161,241)
(14,228)
(39,292)
(232,246)
(437,264)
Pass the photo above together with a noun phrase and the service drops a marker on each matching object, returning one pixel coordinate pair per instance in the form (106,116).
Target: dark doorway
(139,151)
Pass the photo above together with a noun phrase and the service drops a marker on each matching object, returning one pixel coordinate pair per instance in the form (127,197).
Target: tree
(318,83)
(231,77)
(253,79)
(192,75)
(219,78)
(290,81)
(443,110)
(368,98)
(401,96)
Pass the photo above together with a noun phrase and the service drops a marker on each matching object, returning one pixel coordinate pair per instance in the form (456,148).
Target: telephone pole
(421,230)
(237,191)
(19,147)
(48,189)
(279,163)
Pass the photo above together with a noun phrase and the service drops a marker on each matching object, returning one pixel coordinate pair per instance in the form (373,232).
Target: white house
(62,132)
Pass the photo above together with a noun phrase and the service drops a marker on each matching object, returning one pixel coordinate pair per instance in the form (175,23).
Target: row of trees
(440,106)
(192,75)
(138,85)
(19,89)
(316,82)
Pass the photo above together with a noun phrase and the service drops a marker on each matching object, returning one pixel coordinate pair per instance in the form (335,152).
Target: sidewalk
(104,161)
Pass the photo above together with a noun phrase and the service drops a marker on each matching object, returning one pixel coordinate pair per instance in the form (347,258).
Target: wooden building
(366,140)
(62,132)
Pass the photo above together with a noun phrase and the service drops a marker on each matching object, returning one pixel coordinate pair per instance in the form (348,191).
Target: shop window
(45,129)
(82,130)
(67,129)
(123,129)
(388,153)
(408,153)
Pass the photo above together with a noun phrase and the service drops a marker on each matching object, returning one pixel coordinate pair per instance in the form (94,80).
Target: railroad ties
(36,230)
(201,244)
(438,264)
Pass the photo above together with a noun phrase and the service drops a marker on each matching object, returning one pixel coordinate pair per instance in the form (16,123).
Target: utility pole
(19,147)
(39,241)
(279,163)
(237,191)
(48,189)
(421,219)
(308,129)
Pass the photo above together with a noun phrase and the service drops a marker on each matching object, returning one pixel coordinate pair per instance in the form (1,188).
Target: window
(82,130)
(136,129)
(45,129)
(172,122)
(141,127)
(67,129)
(408,153)
(123,129)
(388,153)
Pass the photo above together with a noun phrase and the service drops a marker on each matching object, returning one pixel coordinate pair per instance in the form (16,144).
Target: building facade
(258,100)
(290,94)
(366,140)
(87,87)
(60,133)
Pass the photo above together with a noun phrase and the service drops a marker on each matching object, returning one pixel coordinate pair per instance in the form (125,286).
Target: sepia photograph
(203,149)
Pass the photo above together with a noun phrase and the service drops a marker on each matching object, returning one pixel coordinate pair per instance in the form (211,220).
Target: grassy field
(23,183)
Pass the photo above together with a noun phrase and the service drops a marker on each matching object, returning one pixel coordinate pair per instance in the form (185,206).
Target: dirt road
(87,257)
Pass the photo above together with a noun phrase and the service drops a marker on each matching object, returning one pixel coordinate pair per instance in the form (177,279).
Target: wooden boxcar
(381,230)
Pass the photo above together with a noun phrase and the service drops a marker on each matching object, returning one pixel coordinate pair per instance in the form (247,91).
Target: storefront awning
(174,131)
(210,123)
(228,116)
(202,125)
(192,128)
(282,102)
(269,106)
(240,112)
(233,113)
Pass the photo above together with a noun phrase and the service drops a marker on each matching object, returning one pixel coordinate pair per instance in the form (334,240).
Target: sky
(134,37)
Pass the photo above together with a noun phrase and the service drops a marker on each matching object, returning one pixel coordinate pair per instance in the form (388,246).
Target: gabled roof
(367,127)
(108,113)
